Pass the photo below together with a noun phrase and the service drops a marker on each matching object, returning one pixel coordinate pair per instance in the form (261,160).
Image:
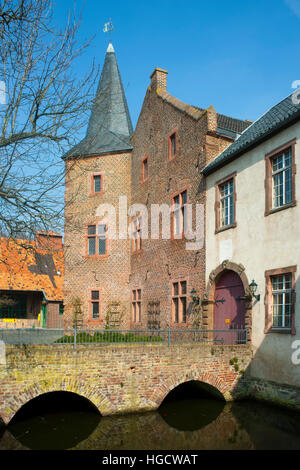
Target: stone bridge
(119,378)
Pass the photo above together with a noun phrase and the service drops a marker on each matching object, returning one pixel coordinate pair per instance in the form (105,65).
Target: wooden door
(229,309)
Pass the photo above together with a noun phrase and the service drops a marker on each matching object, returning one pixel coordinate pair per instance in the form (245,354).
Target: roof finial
(108,27)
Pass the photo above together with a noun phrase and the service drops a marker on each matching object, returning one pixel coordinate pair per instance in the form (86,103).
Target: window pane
(282,179)
(227,203)
(101,229)
(175,288)
(177,230)
(288,281)
(288,158)
(97,183)
(102,246)
(134,311)
(92,246)
(231,211)
(139,311)
(183,287)
(183,308)
(288,186)
(92,230)
(173,144)
(185,221)
(95,309)
(145,170)
(134,294)
(139,294)
(282,300)
(95,295)
(176,313)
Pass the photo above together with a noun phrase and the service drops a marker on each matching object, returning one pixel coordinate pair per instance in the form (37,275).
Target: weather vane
(108,27)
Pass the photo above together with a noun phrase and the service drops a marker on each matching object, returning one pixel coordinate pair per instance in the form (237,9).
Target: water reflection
(269,427)
(56,420)
(179,425)
(183,410)
(191,414)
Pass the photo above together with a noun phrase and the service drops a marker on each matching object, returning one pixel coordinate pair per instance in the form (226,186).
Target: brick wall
(117,378)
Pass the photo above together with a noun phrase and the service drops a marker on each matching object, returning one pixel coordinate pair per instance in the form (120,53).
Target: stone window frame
(179,236)
(179,296)
(269,209)
(92,301)
(145,159)
(92,184)
(87,236)
(139,221)
(174,133)
(136,301)
(268,300)
(218,184)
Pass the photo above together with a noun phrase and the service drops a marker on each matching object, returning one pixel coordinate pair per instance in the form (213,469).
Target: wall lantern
(253,288)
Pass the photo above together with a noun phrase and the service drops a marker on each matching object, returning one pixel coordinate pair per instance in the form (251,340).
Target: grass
(109,337)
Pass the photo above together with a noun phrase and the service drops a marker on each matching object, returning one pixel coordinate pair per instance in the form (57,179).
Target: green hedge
(109,337)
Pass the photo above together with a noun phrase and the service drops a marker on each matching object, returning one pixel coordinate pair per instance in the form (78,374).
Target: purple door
(229,309)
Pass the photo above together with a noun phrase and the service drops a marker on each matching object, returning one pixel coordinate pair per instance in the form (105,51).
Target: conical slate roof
(110,126)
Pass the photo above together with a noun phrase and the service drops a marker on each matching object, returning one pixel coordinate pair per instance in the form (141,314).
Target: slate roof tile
(279,116)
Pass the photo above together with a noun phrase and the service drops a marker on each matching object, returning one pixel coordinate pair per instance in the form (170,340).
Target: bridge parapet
(119,378)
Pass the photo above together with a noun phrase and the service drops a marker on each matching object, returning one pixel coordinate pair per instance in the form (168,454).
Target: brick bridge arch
(209,378)
(84,390)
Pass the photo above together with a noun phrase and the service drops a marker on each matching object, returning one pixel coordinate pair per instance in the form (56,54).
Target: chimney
(47,240)
(159,79)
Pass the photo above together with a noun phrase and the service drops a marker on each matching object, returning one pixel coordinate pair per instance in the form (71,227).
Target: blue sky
(241,56)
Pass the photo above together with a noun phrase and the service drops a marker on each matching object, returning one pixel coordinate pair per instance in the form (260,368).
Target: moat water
(183,422)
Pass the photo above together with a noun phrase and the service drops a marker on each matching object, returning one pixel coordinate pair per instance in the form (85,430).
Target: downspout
(44,311)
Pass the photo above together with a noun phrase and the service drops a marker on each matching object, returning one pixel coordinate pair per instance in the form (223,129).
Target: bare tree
(46,106)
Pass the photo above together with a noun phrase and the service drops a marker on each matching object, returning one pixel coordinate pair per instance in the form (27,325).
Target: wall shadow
(271,376)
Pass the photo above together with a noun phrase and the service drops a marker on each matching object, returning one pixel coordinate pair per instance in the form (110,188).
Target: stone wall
(118,378)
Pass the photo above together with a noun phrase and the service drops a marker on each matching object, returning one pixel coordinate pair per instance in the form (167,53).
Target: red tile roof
(24,267)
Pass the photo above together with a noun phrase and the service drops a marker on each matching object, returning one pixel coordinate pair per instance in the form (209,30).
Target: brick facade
(163,262)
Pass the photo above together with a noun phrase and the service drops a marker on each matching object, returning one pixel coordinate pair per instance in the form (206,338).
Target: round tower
(98,173)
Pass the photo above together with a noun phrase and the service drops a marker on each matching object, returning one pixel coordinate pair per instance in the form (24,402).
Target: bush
(109,337)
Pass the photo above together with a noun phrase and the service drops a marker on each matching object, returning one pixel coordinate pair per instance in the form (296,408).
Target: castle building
(143,276)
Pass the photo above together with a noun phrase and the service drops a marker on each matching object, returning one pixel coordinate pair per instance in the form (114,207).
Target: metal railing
(83,336)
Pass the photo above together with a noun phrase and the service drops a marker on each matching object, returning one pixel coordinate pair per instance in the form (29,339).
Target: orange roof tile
(24,267)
